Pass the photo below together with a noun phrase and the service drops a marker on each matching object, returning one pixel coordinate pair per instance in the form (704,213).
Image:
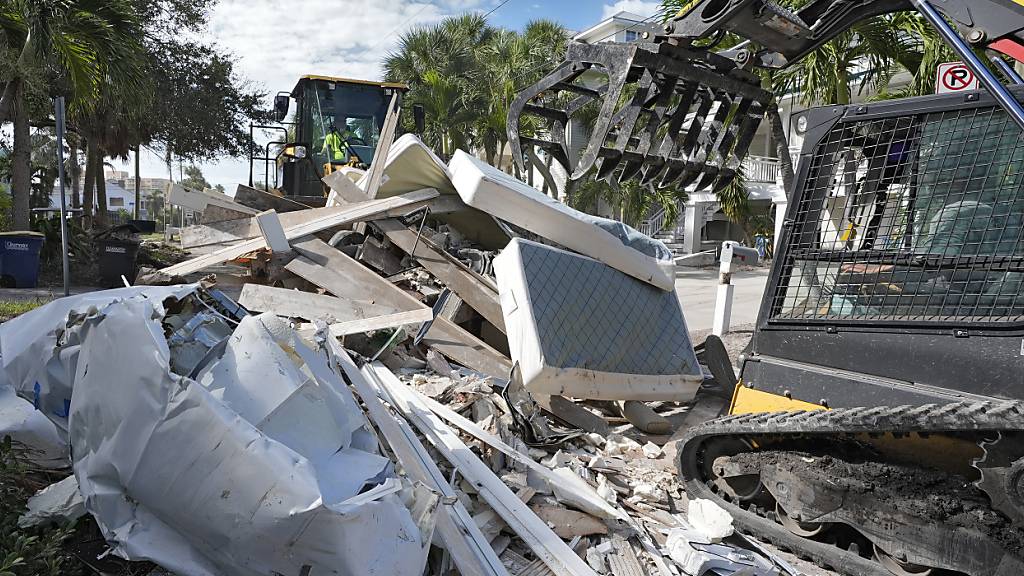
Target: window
(916,218)
(632,35)
(115,202)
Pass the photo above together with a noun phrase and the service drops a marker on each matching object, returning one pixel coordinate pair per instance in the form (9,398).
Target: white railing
(654,224)
(761,169)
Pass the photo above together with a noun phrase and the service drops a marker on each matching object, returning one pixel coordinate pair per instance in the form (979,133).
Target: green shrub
(26,552)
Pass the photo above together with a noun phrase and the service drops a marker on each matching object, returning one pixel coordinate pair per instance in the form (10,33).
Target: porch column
(693,222)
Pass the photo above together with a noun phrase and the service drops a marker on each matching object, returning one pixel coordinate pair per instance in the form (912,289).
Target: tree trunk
(90,185)
(74,172)
(101,192)
(21,170)
(781,148)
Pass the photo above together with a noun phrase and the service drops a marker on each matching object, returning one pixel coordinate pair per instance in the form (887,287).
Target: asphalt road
(696,290)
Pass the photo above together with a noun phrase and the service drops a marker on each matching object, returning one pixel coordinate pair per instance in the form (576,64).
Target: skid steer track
(985,554)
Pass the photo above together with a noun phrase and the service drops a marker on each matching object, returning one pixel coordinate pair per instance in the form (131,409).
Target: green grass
(154,237)
(13,308)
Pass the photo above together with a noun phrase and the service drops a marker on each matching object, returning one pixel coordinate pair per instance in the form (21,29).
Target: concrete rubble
(394,389)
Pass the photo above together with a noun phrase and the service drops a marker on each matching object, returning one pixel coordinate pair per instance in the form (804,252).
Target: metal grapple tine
(564,71)
(746,131)
(616,62)
(690,121)
(662,90)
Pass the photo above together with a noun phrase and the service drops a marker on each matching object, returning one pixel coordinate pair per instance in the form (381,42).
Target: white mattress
(485,187)
(582,329)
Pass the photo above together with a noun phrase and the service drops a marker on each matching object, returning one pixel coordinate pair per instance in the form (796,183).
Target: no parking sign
(954,77)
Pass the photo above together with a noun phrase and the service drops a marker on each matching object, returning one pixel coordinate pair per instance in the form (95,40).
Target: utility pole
(138,183)
(58,105)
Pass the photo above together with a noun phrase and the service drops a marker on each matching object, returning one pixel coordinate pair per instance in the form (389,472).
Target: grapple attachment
(659,113)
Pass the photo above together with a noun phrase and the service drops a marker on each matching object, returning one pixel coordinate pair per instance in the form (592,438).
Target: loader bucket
(659,113)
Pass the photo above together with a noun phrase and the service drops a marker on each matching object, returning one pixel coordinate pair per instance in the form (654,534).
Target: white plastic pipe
(723,299)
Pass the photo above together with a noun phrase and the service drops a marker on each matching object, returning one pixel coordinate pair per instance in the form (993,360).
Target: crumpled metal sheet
(262,464)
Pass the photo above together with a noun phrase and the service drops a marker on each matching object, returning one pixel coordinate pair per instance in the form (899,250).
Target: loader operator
(336,145)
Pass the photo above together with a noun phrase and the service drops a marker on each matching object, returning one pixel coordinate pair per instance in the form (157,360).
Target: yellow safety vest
(337,147)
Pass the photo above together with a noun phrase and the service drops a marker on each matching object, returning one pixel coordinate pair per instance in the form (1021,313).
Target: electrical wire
(495,9)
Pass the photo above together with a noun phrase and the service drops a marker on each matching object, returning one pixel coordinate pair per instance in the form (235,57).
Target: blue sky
(350,38)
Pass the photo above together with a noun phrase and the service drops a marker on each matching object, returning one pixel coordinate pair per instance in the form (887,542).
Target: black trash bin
(117,257)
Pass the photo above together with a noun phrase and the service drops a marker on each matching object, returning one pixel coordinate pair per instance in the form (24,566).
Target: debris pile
(441,371)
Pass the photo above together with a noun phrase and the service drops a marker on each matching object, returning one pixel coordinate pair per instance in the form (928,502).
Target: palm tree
(70,47)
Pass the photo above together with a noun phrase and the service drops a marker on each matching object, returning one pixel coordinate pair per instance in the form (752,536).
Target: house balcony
(761,169)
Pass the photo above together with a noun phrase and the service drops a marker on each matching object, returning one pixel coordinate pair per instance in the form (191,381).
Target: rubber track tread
(928,418)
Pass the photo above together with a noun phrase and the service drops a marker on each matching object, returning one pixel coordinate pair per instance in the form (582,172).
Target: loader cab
(899,277)
(295,162)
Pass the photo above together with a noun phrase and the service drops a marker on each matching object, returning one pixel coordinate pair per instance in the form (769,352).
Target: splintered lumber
(201,200)
(531,529)
(272,231)
(645,418)
(299,304)
(354,213)
(572,413)
(479,292)
(243,227)
(263,200)
(344,277)
(567,487)
(418,316)
(380,156)
(468,547)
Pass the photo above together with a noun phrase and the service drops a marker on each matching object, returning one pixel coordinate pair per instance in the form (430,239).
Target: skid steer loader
(877,422)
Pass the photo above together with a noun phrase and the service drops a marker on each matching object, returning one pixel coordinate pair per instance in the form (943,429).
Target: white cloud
(274,43)
(638,7)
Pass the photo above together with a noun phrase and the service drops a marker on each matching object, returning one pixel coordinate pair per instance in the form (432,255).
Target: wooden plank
(245,228)
(571,413)
(479,292)
(343,189)
(575,489)
(418,316)
(354,213)
(230,231)
(531,529)
(468,547)
(299,304)
(200,200)
(344,277)
(272,231)
(261,200)
(380,156)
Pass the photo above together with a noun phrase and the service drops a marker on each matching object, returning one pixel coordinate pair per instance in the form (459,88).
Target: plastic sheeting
(485,187)
(33,375)
(579,328)
(260,463)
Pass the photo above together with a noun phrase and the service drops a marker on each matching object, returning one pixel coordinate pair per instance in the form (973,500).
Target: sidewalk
(45,294)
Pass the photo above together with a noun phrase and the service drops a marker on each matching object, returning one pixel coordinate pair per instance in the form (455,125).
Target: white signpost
(954,77)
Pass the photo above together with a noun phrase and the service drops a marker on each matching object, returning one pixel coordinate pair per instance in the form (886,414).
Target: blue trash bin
(19,259)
